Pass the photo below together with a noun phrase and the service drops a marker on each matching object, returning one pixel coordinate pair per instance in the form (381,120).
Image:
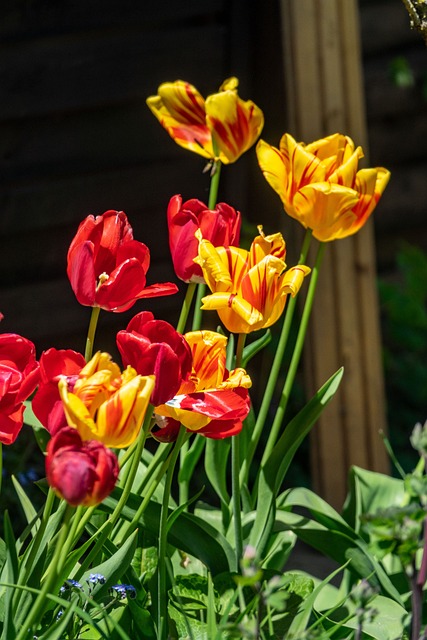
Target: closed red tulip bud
(154,347)
(107,268)
(19,374)
(83,473)
(221,226)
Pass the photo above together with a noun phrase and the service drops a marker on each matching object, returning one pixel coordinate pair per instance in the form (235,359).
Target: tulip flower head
(19,374)
(55,364)
(320,184)
(221,226)
(107,268)
(83,473)
(154,347)
(105,404)
(222,127)
(249,288)
(214,402)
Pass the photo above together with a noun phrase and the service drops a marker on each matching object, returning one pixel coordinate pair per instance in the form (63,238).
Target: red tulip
(154,347)
(19,374)
(107,267)
(221,226)
(80,472)
(47,404)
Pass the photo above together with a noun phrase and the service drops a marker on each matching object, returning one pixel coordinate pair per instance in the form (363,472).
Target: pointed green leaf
(274,470)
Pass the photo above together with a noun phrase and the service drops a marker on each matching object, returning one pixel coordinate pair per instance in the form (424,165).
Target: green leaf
(388,624)
(9,575)
(114,567)
(191,459)
(274,470)
(26,504)
(252,349)
(188,533)
(216,459)
(41,434)
(368,492)
(336,540)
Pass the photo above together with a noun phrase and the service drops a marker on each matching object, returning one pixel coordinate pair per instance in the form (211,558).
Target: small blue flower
(124,591)
(94,578)
(70,584)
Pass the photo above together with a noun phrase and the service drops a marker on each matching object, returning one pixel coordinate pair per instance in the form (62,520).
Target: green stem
(185,309)
(184,485)
(91,332)
(52,575)
(147,497)
(235,487)
(163,533)
(239,349)
(213,190)
(278,419)
(213,196)
(197,317)
(275,370)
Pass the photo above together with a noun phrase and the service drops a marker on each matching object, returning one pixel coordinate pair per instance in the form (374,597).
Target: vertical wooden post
(324,93)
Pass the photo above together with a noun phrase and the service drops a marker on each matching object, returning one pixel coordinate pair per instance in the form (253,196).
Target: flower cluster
(88,404)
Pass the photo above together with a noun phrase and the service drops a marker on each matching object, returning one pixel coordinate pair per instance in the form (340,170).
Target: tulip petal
(235,124)
(180,109)
(81,273)
(327,209)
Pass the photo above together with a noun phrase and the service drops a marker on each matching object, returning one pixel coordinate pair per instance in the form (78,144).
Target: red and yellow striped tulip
(222,127)
(249,288)
(320,184)
(105,404)
(214,401)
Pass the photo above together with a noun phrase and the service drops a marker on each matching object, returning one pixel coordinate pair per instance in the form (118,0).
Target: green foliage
(404,326)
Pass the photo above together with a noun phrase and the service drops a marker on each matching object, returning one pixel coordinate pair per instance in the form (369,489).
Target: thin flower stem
(274,372)
(147,497)
(185,309)
(197,317)
(239,349)
(237,507)
(163,533)
(52,575)
(90,340)
(213,196)
(280,412)
(213,190)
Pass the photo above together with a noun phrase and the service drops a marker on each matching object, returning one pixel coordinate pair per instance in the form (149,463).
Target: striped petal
(180,109)
(370,183)
(120,419)
(327,209)
(235,124)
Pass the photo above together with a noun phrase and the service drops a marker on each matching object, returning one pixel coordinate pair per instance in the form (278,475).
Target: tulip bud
(83,473)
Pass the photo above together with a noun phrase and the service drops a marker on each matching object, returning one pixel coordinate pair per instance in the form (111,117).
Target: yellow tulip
(320,184)
(105,404)
(249,288)
(222,127)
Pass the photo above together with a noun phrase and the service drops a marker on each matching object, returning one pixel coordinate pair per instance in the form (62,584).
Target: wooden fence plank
(326,67)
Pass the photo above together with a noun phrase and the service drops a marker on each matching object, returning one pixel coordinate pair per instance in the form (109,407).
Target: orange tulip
(249,288)
(222,127)
(320,184)
(105,404)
